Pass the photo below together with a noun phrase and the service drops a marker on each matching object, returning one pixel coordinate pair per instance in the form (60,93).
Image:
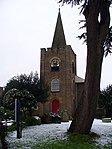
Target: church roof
(59,40)
(79,79)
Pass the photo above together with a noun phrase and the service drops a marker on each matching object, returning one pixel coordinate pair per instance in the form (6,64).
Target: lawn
(75,143)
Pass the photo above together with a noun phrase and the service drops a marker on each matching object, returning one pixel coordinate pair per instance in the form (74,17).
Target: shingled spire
(59,37)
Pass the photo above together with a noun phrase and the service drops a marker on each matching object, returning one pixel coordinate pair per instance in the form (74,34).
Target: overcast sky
(28,25)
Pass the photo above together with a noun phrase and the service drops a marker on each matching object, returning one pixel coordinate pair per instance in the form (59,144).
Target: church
(58,69)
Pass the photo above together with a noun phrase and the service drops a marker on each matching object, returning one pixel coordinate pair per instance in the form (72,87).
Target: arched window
(55,64)
(55,85)
(73,67)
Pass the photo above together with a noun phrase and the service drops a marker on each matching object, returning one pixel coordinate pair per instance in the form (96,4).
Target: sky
(26,26)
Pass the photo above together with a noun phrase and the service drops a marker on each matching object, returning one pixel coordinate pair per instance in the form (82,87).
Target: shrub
(32,121)
(55,117)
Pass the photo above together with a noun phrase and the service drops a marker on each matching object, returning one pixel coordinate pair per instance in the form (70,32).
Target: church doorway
(55,105)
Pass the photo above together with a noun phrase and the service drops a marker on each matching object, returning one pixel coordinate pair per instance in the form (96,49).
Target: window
(55,85)
(55,65)
(73,67)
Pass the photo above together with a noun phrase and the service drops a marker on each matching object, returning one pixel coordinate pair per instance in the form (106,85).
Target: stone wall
(66,76)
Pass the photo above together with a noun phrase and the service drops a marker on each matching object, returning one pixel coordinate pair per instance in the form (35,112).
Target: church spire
(59,40)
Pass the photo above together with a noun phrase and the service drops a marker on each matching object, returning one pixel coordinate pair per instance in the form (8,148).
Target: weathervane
(59,8)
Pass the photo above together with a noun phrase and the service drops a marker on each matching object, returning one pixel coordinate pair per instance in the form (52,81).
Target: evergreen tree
(28,89)
(105,100)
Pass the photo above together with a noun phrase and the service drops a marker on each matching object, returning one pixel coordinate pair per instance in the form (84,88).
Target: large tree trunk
(96,34)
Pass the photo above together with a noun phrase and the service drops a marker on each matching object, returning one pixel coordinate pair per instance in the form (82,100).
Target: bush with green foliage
(105,100)
(28,89)
(31,121)
(2,111)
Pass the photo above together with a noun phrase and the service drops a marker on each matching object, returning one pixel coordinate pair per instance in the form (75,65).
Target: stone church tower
(58,69)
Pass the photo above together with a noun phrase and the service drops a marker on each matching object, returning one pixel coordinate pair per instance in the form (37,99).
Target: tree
(105,100)
(28,88)
(97,20)
(2,111)
(2,136)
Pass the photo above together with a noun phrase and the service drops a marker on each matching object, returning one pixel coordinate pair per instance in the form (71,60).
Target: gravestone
(106,120)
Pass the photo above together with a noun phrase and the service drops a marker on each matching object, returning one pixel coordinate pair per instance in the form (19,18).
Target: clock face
(55,62)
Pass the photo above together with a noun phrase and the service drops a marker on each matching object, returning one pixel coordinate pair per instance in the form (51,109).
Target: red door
(55,105)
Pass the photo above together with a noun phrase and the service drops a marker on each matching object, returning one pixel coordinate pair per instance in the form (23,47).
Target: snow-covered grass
(104,130)
(48,132)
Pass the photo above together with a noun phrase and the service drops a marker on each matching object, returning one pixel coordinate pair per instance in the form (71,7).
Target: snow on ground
(37,134)
(104,130)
